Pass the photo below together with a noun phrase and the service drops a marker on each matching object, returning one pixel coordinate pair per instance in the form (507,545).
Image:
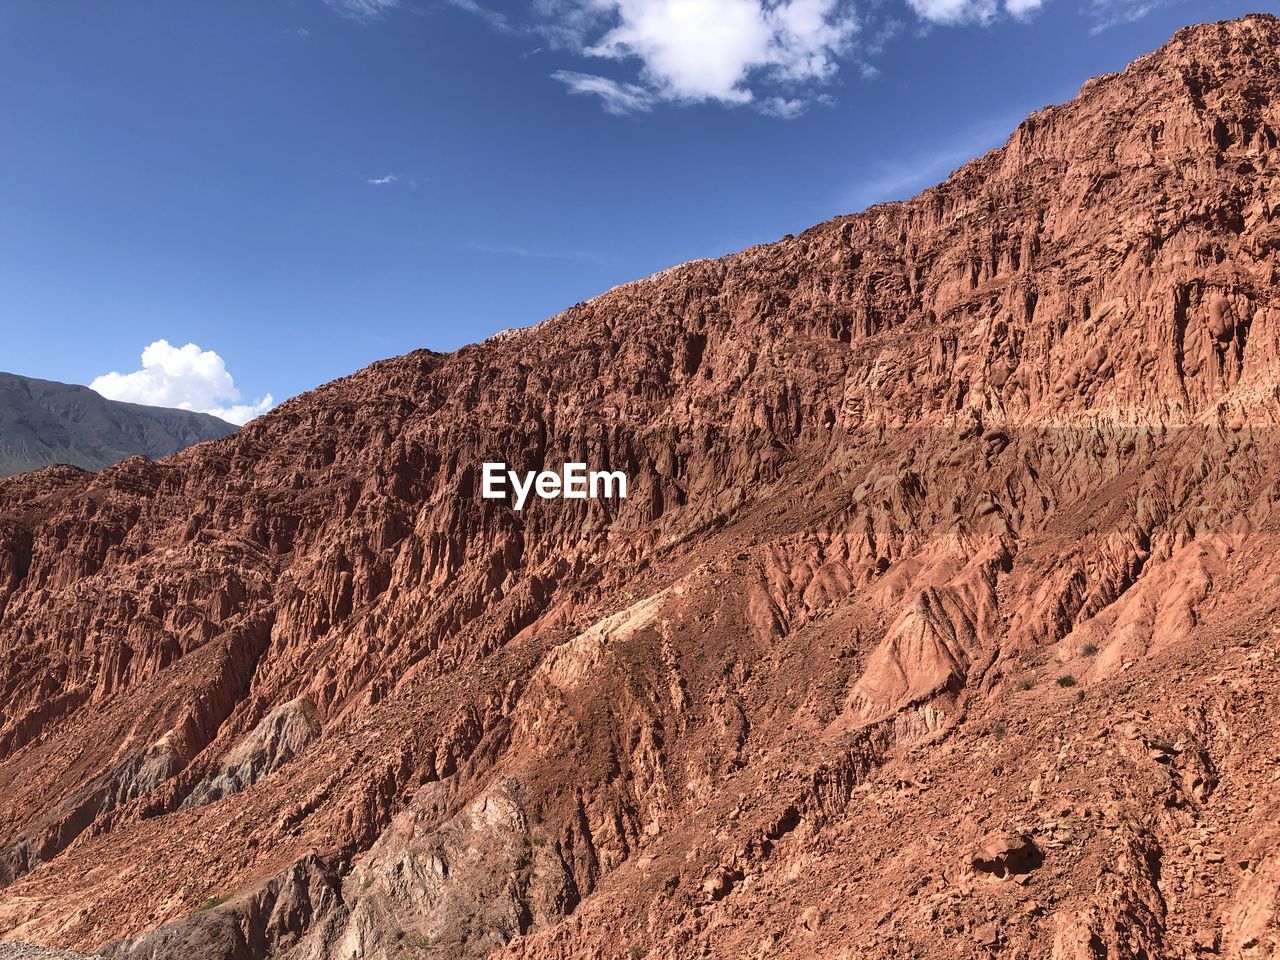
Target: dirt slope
(941,619)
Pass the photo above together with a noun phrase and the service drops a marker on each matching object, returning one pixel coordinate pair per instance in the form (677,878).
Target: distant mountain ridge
(43,422)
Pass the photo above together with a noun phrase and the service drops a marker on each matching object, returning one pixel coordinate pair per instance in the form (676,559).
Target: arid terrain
(943,618)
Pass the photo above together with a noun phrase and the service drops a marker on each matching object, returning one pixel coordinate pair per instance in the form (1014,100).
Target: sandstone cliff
(941,620)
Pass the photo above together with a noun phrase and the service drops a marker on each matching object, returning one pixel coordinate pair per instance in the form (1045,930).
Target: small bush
(1088,650)
(999,731)
(1067,680)
(1026,683)
(212,902)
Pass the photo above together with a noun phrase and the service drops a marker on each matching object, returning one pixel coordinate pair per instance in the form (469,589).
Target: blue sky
(305,186)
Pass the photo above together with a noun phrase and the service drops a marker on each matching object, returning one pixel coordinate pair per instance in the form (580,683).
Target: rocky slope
(941,619)
(44,423)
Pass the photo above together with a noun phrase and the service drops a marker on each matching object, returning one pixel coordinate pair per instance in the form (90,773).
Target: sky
(221,204)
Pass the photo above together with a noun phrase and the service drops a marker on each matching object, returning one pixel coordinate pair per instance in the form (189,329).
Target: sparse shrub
(212,902)
(1079,696)
(1088,650)
(637,952)
(999,730)
(1067,680)
(1026,683)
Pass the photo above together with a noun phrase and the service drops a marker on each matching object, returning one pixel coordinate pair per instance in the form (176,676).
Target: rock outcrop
(942,618)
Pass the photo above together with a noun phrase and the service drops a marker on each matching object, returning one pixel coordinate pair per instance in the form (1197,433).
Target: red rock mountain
(941,619)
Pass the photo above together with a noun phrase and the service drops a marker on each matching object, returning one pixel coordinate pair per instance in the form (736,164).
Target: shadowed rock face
(951,520)
(44,423)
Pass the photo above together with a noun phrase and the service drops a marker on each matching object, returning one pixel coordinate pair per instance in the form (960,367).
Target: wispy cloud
(1113,13)
(616,98)
(903,177)
(495,19)
(383,181)
(363,10)
(782,107)
(514,250)
(879,34)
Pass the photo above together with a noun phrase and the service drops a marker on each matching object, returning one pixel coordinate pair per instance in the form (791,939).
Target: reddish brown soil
(941,621)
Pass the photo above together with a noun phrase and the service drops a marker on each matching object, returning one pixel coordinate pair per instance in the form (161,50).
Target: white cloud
(697,51)
(952,12)
(187,378)
(616,98)
(382,181)
(955,12)
(363,9)
(781,107)
(242,413)
(1023,8)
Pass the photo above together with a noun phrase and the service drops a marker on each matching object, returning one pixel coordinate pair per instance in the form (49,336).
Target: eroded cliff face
(942,616)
